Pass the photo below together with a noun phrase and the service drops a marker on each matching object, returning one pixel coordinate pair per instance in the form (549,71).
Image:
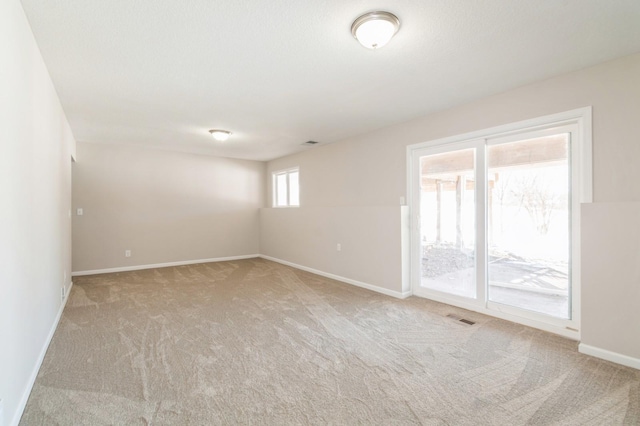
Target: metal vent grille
(460,319)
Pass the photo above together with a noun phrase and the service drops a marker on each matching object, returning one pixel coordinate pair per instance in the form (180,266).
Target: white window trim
(581,118)
(274,187)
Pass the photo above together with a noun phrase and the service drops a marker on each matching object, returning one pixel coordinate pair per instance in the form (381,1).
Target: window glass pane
(447,222)
(281,190)
(294,190)
(529,224)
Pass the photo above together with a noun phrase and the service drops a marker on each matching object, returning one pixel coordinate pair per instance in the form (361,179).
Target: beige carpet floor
(255,342)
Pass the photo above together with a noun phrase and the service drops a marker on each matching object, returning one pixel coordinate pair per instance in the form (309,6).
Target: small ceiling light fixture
(220,135)
(374,29)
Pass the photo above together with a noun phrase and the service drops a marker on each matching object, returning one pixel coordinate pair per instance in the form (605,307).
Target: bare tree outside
(538,200)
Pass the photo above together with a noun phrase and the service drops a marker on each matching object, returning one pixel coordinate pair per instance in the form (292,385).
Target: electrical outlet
(80,212)
(339,247)
(127,253)
(63,292)
(64,277)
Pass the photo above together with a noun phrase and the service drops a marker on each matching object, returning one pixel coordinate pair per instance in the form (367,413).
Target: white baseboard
(371,287)
(161,265)
(36,368)
(609,356)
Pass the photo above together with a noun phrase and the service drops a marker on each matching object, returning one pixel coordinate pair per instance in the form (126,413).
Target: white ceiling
(278,73)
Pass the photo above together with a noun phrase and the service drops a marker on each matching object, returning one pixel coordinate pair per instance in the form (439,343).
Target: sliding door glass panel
(447,222)
(528,207)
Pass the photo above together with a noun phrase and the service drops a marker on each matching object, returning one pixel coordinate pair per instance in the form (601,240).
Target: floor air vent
(458,318)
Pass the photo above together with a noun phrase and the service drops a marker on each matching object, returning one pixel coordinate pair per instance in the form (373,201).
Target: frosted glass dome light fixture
(374,29)
(220,135)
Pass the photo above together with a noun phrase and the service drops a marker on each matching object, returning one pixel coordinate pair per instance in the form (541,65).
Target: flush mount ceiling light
(374,29)
(220,135)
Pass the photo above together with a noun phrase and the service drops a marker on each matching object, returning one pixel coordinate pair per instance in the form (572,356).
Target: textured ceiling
(278,73)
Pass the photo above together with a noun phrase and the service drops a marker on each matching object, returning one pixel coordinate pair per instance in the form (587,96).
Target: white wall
(36,146)
(370,170)
(611,280)
(163,206)
(369,238)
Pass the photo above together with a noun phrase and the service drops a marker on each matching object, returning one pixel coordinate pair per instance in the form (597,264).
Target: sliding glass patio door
(529,223)
(494,222)
(448,219)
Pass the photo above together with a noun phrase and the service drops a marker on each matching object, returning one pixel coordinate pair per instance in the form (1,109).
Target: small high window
(286,189)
